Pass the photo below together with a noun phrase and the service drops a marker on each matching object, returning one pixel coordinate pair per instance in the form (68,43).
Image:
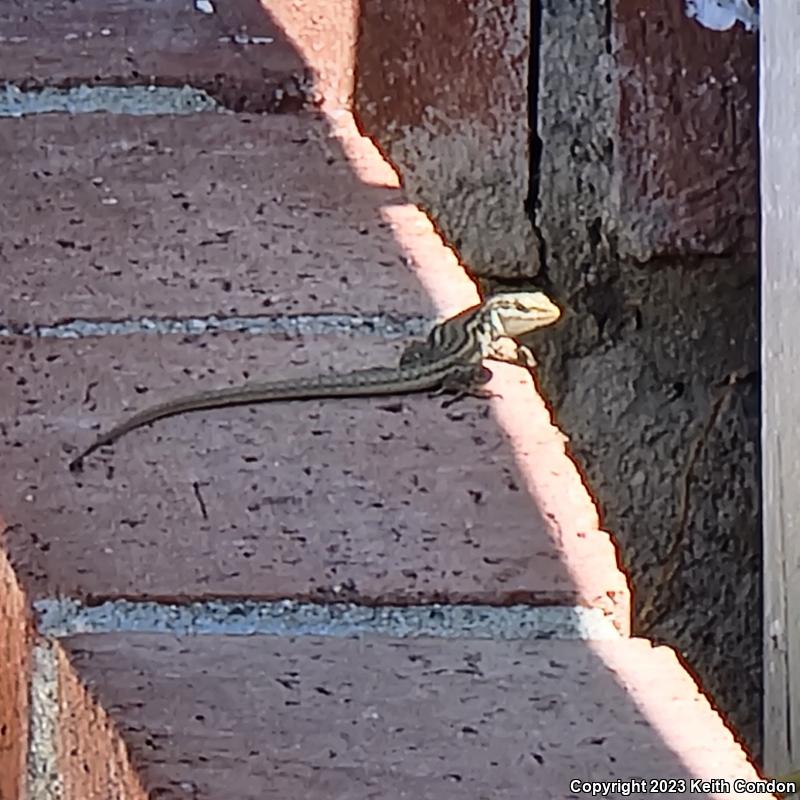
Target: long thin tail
(377,381)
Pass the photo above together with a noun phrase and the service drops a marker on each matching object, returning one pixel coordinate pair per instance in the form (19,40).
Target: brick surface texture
(144,221)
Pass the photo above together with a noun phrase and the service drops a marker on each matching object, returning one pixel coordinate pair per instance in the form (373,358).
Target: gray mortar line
(384,325)
(61,617)
(134,100)
(43,778)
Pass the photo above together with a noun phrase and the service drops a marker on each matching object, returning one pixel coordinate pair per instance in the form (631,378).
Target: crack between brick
(535,143)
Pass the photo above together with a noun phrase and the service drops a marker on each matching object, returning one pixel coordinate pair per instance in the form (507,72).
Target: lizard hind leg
(463,381)
(466,383)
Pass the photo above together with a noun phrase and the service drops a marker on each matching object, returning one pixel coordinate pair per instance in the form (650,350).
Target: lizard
(507,315)
(449,360)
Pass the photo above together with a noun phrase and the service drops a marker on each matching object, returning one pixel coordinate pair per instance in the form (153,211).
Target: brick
(92,759)
(164,42)
(443,88)
(15,660)
(686,147)
(193,216)
(269,717)
(325,35)
(487,48)
(393,500)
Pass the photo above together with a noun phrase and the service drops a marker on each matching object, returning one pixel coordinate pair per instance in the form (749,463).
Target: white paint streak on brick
(722,15)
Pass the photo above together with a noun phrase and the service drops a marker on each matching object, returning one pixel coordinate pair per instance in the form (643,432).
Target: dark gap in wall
(535,143)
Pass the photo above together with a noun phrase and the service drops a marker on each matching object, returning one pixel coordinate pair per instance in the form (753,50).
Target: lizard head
(522,312)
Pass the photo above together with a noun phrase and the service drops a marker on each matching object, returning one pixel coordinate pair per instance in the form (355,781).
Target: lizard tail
(377,381)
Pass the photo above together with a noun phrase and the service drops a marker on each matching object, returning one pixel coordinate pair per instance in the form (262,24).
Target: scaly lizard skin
(450,359)
(507,315)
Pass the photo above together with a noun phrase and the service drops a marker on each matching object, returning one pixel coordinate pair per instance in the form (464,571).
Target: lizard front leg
(466,379)
(509,350)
